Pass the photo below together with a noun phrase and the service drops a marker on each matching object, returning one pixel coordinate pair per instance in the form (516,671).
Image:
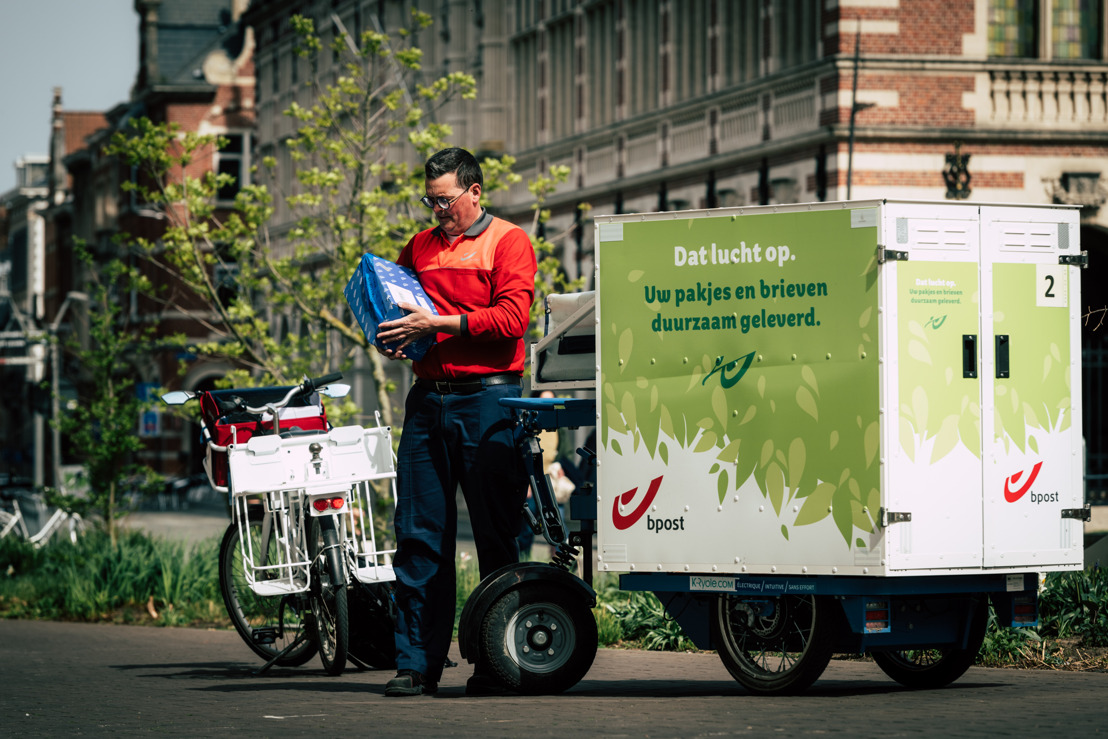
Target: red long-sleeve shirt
(486,274)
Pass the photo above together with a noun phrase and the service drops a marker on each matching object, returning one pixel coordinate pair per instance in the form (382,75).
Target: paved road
(62,679)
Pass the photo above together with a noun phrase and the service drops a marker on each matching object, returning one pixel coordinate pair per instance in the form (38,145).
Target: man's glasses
(441,202)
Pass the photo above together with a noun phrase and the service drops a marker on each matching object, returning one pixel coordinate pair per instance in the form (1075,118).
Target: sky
(89,48)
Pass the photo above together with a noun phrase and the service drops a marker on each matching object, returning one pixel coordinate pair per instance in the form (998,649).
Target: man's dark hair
(459,161)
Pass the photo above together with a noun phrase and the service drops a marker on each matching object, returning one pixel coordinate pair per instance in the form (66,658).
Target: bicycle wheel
(774,645)
(268,624)
(328,596)
(929,668)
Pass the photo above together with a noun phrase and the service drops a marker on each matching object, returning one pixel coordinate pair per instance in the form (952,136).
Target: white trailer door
(932,417)
(1032,418)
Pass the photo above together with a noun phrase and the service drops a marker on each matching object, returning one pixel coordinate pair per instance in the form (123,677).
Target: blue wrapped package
(374,293)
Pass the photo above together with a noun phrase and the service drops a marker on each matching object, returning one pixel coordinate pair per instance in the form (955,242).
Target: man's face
(465,209)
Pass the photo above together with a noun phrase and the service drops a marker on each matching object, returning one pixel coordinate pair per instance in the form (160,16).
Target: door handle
(969,356)
(1002,365)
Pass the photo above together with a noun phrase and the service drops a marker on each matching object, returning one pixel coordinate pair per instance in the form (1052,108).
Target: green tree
(101,427)
(357,191)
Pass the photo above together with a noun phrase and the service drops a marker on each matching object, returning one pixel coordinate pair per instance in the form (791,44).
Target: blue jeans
(449,441)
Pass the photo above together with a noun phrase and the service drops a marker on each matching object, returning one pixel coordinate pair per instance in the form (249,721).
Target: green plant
(94,580)
(1004,645)
(1076,604)
(643,619)
(356,191)
(101,426)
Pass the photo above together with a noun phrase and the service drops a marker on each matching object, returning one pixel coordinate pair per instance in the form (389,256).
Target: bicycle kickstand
(300,638)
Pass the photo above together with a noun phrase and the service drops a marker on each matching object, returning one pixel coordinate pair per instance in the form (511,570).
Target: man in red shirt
(479,271)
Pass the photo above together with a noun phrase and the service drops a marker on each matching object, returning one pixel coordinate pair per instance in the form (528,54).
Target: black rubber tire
(926,668)
(538,639)
(373,624)
(328,596)
(775,645)
(267,624)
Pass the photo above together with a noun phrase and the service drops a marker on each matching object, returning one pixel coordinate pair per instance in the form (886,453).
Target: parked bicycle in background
(24,510)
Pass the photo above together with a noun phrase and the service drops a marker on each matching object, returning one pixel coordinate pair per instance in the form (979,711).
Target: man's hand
(418,323)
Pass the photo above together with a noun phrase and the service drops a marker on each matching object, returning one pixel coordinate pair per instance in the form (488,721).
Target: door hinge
(1081,259)
(890,517)
(1081,514)
(891,255)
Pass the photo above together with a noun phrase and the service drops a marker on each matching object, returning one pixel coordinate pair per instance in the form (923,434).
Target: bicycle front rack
(278,479)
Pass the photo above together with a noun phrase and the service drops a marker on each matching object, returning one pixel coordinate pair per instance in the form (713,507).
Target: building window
(233,159)
(1075,29)
(1046,29)
(1012,28)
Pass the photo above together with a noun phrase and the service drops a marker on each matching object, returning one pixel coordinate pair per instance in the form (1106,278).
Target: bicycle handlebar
(309,385)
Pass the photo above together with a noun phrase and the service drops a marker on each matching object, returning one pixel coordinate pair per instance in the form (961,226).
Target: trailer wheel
(539,639)
(775,645)
(926,669)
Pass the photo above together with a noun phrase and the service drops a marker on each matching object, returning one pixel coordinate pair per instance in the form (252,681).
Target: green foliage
(1004,645)
(355,191)
(1076,604)
(643,620)
(95,580)
(101,426)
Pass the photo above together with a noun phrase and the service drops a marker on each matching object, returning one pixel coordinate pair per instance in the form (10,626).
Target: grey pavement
(66,679)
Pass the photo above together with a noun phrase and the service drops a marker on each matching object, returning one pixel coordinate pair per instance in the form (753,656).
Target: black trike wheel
(774,645)
(328,595)
(539,639)
(267,623)
(929,668)
(373,624)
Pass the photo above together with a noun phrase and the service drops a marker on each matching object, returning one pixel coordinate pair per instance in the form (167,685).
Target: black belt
(477,384)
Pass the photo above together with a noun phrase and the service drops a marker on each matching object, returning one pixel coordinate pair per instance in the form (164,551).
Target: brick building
(679,104)
(196,71)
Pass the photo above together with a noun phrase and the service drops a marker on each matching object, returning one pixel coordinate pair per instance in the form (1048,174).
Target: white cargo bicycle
(300,562)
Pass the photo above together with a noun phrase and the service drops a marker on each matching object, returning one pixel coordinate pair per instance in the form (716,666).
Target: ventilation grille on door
(936,234)
(1016,236)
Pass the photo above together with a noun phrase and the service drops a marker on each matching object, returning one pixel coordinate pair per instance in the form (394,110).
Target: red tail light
(322,504)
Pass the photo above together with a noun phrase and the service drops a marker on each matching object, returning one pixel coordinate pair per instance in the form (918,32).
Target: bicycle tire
(328,599)
(372,610)
(268,624)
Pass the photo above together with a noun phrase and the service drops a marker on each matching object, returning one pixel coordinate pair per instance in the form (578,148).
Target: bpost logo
(1012,493)
(624,521)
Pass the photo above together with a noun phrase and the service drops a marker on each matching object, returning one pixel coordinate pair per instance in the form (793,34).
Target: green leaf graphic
(806,402)
(719,405)
(775,486)
(809,377)
(707,441)
(626,341)
(730,453)
(841,512)
(797,459)
(815,505)
(946,439)
(918,352)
